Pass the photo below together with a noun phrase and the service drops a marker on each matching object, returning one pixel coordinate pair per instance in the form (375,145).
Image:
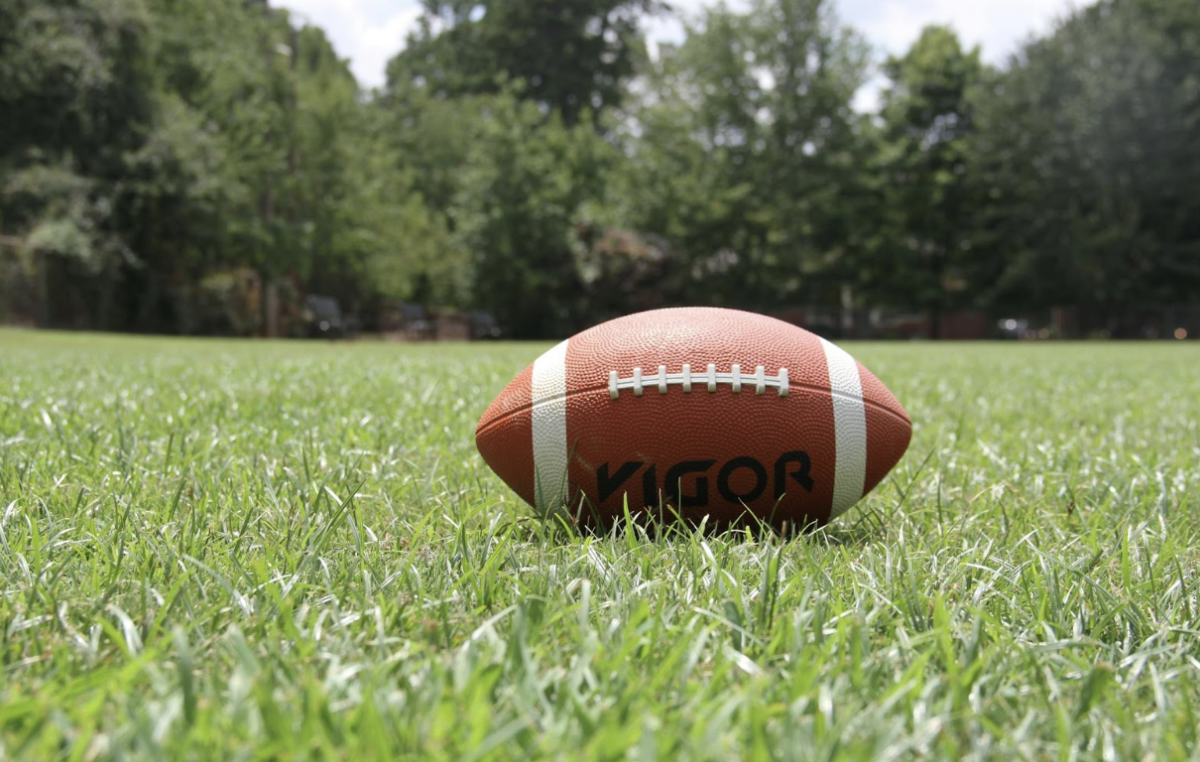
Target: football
(697,414)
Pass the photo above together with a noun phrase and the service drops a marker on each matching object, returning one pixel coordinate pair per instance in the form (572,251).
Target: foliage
(223,549)
(534,160)
(189,138)
(743,152)
(523,185)
(573,56)
(923,257)
(1087,145)
(74,88)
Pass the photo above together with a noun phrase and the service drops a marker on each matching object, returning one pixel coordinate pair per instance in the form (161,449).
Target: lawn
(250,550)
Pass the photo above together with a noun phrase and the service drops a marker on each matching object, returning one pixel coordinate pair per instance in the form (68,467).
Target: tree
(1088,146)
(572,57)
(72,90)
(923,256)
(156,143)
(744,152)
(522,192)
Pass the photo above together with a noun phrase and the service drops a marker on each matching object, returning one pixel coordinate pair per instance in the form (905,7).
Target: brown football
(698,413)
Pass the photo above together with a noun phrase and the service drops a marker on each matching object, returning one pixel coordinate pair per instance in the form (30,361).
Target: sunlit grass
(221,550)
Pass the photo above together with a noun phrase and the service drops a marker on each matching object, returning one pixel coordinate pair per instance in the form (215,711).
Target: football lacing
(710,378)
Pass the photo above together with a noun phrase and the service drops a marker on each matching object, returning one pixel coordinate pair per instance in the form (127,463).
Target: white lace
(637,382)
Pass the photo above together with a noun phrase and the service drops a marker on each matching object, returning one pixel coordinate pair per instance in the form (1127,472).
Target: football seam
(604,388)
(709,379)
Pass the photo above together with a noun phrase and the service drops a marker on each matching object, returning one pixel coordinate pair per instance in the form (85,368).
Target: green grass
(221,550)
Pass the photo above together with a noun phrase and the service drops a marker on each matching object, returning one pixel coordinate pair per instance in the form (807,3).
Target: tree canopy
(540,161)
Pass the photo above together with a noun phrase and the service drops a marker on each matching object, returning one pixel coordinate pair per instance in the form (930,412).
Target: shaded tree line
(534,159)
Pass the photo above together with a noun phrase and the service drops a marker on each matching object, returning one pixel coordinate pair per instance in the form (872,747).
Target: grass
(220,550)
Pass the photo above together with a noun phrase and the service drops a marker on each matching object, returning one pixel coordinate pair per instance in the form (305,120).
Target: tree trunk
(847,311)
(939,283)
(148,304)
(271,308)
(935,322)
(43,290)
(108,287)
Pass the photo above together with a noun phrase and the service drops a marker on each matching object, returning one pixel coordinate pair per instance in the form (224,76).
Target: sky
(369,32)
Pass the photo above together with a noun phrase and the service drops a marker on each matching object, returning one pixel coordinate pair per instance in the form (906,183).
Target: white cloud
(369,32)
(669,27)
(998,26)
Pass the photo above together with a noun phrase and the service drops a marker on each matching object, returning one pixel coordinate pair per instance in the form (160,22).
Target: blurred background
(527,168)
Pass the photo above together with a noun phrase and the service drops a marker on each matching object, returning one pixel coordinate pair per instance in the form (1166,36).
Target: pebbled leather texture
(717,454)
